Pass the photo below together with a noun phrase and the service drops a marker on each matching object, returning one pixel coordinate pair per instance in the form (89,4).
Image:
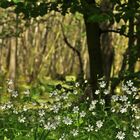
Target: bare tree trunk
(12,61)
(106,42)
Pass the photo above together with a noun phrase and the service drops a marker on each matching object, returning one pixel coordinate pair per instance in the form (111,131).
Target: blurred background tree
(88,39)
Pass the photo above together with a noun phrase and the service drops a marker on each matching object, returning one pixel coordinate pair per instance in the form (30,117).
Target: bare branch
(118,31)
(67,42)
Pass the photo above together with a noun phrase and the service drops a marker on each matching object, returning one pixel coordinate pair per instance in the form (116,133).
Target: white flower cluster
(129,88)
(6,106)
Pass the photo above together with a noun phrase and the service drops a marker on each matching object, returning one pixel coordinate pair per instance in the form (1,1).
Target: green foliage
(63,118)
(5,4)
(99,18)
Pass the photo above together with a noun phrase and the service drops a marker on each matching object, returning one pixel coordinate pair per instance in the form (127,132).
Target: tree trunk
(131,40)
(12,62)
(95,58)
(106,41)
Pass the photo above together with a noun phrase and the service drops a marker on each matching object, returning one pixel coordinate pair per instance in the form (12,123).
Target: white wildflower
(48,126)
(9,105)
(27,92)
(93,105)
(75,92)
(25,109)
(82,114)
(77,84)
(3,107)
(115,98)
(129,92)
(54,125)
(69,104)
(15,111)
(10,90)
(67,121)
(106,92)
(99,124)
(38,3)
(86,81)
(64,96)
(74,132)
(14,94)
(10,82)
(41,113)
(138,127)
(42,120)
(113,110)
(134,108)
(57,98)
(97,92)
(137,97)
(102,101)
(102,84)
(93,113)
(124,87)
(21,119)
(134,89)
(89,128)
(75,109)
(120,135)
(6,130)
(57,120)
(55,108)
(129,83)
(123,98)
(62,137)
(136,134)
(123,110)
(137,117)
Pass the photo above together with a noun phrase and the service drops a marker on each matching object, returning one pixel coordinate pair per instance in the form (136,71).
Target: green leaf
(16,1)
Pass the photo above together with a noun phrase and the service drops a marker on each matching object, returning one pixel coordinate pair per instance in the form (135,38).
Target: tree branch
(114,31)
(118,31)
(75,50)
(68,44)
